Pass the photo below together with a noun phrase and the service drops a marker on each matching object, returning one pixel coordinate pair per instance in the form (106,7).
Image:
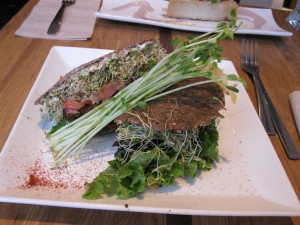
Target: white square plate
(248,180)
(154,12)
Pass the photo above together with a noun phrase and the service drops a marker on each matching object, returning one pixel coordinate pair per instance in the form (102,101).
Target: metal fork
(56,22)
(249,63)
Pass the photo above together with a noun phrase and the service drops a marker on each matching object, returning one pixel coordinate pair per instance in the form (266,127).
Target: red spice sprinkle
(39,176)
(33,180)
(42,175)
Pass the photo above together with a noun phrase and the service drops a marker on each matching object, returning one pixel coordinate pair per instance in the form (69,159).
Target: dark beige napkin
(77,24)
(294,99)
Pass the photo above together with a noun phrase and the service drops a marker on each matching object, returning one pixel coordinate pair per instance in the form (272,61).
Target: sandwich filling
(88,85)
(173,137)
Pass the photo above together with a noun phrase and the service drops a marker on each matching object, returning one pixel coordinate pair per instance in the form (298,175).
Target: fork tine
(256,54)
(243,54)
(243,51)
(253,55)
(68,1)
(249,54)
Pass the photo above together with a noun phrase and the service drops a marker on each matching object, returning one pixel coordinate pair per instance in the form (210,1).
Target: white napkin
(77,24)
(294,99)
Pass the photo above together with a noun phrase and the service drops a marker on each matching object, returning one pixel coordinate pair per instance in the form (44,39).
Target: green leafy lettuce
(151,159)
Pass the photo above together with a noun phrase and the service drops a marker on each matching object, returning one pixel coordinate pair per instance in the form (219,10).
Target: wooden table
(22,58)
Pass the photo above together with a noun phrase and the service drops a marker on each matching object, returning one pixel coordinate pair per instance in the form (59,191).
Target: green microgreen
(150,159)
(192,58)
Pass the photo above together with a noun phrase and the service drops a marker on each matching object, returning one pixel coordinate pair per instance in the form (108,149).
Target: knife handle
(286,140)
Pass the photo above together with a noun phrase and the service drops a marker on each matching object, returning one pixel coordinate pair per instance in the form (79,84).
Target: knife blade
(285,138)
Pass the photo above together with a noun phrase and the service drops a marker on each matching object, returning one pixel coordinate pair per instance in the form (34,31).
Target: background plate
(249,174)
(254,20)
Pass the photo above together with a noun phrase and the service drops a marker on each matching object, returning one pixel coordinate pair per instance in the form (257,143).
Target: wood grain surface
(22,58)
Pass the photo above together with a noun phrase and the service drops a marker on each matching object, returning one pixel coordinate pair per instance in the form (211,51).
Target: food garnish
(193,57)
